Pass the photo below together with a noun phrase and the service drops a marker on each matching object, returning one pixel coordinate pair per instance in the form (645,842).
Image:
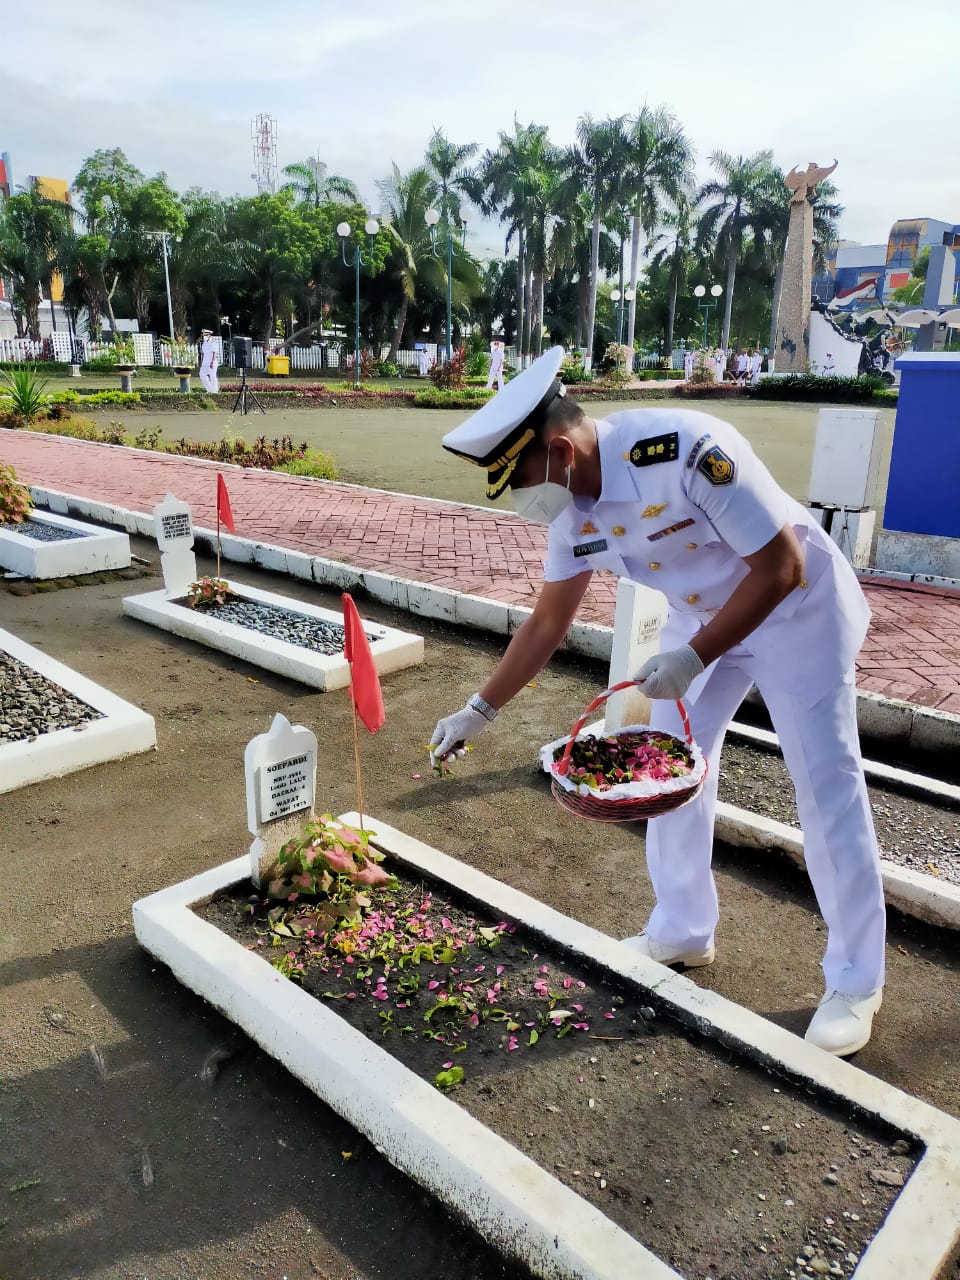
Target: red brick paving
(912,650)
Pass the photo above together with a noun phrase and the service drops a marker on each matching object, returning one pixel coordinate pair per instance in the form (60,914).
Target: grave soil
(249,1175)
(713,1163)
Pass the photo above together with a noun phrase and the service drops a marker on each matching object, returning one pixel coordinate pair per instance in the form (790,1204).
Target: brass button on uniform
(691,546)
(803,584)
(654,564)
(618,531)
(692,599)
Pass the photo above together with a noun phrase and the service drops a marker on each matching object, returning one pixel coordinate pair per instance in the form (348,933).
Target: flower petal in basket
(642,789)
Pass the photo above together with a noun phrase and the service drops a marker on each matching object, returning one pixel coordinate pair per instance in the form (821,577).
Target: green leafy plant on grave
(15,502)
(209,593)
(24,392)
(325,869)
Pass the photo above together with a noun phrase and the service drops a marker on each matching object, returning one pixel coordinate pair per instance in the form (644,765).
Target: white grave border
(392,650)
(97,551)
(123,730)
(519,1206)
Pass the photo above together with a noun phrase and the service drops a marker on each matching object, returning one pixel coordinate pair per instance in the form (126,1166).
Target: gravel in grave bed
(282,624)
(31,705)
(40,531)
(911,831)
(718,1166)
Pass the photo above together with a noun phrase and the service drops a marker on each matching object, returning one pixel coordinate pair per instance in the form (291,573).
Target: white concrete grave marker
(173,528)
(640,614)
(281,776)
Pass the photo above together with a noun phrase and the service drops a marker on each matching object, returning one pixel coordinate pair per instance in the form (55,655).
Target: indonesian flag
(364,681)
(224,514)
(847,297)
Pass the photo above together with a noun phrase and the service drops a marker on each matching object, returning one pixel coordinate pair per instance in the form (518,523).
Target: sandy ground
(400,450)
(249,1173)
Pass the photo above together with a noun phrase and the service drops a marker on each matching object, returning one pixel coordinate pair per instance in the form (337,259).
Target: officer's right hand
(453,732)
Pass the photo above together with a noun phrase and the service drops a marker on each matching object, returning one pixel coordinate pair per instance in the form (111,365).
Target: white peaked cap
(496,435)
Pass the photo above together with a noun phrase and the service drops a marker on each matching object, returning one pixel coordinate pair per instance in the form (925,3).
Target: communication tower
(263,132)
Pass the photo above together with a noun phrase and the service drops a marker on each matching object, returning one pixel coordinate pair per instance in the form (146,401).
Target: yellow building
(53,189)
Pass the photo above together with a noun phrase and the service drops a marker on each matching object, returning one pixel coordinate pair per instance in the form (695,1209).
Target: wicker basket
(595,805)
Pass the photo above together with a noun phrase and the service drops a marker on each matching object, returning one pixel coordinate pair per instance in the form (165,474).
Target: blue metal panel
(923,492)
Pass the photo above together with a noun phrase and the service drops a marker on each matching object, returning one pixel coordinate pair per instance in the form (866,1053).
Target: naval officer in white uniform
(757,593)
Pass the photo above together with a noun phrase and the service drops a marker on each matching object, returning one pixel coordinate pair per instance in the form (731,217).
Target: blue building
(861,274)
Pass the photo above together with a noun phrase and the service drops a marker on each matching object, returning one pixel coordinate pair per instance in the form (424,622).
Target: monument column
(792,348)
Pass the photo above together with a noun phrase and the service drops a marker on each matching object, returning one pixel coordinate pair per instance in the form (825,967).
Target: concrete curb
(523,1209)
(124,730)
(905,724)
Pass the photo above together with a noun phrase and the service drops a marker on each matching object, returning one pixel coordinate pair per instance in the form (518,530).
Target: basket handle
(563,764)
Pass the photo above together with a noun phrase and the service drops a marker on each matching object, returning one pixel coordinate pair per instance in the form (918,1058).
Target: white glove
(453,732)
(670,674)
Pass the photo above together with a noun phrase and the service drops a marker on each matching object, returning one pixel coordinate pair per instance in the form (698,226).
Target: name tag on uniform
(655,449)
(590,548)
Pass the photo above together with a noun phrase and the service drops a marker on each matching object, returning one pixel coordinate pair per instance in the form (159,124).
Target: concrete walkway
(912,651)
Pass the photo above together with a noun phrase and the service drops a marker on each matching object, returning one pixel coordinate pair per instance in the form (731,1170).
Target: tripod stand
(245,394)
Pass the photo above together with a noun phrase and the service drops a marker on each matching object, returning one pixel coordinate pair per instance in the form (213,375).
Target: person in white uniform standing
(687,365)
(757,593)
(496,365)
(208,361)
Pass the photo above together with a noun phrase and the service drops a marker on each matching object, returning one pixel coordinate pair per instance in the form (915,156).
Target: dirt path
(249,1172)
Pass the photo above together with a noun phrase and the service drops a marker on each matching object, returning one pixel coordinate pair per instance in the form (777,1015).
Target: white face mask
(545,501)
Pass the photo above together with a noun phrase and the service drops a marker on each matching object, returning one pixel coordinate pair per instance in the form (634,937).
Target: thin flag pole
(356,757)
(218,535)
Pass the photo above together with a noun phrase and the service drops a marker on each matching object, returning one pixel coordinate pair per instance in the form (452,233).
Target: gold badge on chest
(653,510)
(588,527)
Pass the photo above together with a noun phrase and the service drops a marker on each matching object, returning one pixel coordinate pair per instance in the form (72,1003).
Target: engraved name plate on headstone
(281,776)
(173,528)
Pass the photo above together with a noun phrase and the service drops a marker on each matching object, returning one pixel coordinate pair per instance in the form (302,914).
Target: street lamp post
(164,238)
(626,298)
(707,307)
(344,231)
(431,218)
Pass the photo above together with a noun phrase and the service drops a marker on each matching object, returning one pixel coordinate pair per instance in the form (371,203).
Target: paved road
(912,650)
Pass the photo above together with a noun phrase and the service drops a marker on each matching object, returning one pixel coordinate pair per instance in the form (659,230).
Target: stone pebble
(31,705)
(284,624)
(40,531)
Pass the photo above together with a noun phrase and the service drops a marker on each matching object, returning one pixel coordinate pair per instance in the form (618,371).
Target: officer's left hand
(670,674)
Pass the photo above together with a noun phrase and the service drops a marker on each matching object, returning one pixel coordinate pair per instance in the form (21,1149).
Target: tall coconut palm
(600,156)
(313,185)
(406,197)
(659,165)
(736,205)
(446,163)
(673,247)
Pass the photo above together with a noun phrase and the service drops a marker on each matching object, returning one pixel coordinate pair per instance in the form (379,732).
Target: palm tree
(445,162)
(406,199)
(600,154)
(32,228)
(659,164)
(311,184)
(675,250)
(202,259)
(736,205)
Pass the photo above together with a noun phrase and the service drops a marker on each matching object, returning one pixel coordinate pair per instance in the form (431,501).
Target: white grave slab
(123,730)
(392,649)
(640,614)
(98,550)
(173,529)
(280,768)
(513,1202)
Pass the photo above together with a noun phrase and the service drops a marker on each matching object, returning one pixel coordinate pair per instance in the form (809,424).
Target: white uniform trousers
(209,379)
(821,748)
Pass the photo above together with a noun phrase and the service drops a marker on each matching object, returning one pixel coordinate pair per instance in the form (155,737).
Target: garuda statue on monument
(801,182)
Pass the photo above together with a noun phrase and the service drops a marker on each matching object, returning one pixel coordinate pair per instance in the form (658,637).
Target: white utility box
(846,459)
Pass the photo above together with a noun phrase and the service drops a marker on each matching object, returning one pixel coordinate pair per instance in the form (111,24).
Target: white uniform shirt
(496,359)
(683,500)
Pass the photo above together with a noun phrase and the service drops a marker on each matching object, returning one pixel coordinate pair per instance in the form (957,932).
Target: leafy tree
(273,246)
(445,162)
(145,209)
(32,229)
(105,183)
(736,204)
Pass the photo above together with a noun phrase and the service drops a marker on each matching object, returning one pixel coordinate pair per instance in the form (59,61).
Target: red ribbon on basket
(563,764)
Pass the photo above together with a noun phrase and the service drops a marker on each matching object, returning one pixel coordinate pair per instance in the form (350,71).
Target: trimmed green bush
(316,464)
(456,398)
(812,386)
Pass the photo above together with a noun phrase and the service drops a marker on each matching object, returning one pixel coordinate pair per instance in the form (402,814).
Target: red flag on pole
(365,683)
(224,514)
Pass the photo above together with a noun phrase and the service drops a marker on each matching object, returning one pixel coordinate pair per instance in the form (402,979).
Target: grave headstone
(281,776)
(173,528)
(640,614)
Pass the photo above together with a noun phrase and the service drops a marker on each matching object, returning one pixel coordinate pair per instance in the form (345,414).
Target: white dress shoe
(842,1023)
(663,953)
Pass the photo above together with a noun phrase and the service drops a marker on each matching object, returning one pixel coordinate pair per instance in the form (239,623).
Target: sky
(177,84)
